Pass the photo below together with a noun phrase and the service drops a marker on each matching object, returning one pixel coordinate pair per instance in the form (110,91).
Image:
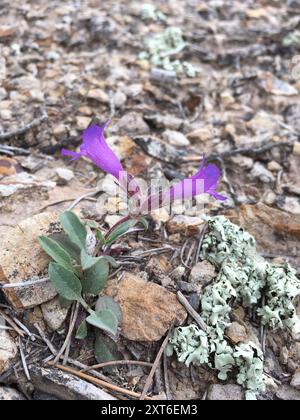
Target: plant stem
(86,306)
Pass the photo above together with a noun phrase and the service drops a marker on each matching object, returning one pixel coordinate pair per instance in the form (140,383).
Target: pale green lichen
(163,46)
(292,39)
(244,278)
(151,12)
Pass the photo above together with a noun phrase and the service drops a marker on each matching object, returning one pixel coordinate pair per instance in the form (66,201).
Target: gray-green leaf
(95,277)
(105,320)
(82,331)
(74,228)
(55,251)
(106,302)
(106,350)
(65,282)
(119,231)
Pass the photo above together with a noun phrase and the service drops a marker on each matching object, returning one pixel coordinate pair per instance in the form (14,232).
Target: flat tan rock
(22,259)
(148,309)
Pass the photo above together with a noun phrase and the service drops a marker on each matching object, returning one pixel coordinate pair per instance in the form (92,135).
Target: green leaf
(100,236)
(74,228)
(106,350)
(65,282)
(64,302)
(119,231)
(105,320)
(144,222)
(92,224)
(55,251)
(82,331)
(87,261)
(111,261)
(106,302)
(95,277)
(62,239)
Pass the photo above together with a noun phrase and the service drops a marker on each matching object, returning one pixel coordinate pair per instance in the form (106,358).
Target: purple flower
(204,181)
(97,150)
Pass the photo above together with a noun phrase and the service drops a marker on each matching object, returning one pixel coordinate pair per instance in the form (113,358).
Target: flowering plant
(81,253)
(95,148)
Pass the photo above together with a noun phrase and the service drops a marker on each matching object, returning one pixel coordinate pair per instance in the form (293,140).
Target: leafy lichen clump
(162,46)
(244,277)
(151,12)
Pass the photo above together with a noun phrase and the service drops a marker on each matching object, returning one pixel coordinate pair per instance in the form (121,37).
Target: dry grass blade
(117,362)
(155,366)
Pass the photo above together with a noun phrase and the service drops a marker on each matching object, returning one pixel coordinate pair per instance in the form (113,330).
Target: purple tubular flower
(204,181)
(97,150)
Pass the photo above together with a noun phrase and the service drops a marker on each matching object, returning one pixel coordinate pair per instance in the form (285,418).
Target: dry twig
(99,382)
(194,314)
(155,366)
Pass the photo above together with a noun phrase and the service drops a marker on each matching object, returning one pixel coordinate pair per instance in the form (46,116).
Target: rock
(296,149)
(236,332)
(202,134)
(175,138)
(131,123)
(296,379)
(203,273)
(274,166)
(64,175)
(288,393)
(8,351)
(275,86)
(167,121)
(270,198)
(60,131)
(98,95)
(22,258)
(272,228)
(65,386)
(227,97)
(32,163)
(225,393)
(243,161)
(260,172)
(184,224)
(289,204)
(3,93)
(148,309)
(119,99)
(10,394)
(83,122)
(54,314)
(5,114)
(23,182)
(264,122)
(159,149)
(133,90)
(178,273)
(123,146)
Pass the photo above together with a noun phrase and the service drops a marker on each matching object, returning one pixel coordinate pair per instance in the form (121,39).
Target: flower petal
(97,150)
(72,154)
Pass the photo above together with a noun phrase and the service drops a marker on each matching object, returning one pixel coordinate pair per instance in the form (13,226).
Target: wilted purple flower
(97,150)
(204,181)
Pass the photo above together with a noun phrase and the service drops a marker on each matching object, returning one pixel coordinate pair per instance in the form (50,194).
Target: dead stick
(12,324)
(117,362)
(69,335)
(155,366)
(99,382)
(22,130)
(194,314)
